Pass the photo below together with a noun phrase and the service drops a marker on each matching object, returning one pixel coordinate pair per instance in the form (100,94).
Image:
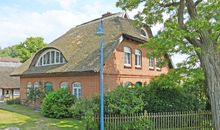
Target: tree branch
(197,2)
(191,8)
(180,13)
(216,39)
(169,4)
(194,41)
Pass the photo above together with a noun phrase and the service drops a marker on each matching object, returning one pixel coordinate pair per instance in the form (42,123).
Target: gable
(80,46)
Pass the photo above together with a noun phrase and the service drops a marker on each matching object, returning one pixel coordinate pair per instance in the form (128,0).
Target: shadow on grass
(35,121)
(67,123)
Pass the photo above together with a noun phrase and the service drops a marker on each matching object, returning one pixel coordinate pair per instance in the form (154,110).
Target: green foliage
(9,52)
(123,100)
(57,103)
(25,49)
(176,91)
(34,94)
(13,101)
(139,124)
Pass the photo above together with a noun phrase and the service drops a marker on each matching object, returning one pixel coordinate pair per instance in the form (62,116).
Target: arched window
(48,87)
(138,84)
(29,87)
(36,85)
(138,58)
(143,33)
(64,85)
(127,56)
(51,57)
(76,89)
(128,84)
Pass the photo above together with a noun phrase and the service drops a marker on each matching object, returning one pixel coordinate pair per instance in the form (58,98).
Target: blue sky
(49,19)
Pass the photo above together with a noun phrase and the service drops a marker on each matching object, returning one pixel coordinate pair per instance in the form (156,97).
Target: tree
(191,27)
(9,52)
(27,48)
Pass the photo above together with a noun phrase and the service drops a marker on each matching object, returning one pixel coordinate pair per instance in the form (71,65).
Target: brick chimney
(107,14)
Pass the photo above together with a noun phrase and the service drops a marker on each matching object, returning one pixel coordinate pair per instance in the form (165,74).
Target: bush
(176,91)
(123,100)
(139,124)
(13,101)
(57,103)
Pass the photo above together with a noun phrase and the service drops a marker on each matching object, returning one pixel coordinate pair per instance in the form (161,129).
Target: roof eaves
(133,38)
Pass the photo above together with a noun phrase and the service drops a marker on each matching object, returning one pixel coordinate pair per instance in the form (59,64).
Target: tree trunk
(210,61)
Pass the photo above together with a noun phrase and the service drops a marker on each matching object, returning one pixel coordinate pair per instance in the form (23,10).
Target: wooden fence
(200,120)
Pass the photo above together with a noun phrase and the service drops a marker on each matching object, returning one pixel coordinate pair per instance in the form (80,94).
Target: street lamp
(100,33)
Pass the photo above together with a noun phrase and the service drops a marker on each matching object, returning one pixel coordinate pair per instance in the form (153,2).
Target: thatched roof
(80,46)
(6,81)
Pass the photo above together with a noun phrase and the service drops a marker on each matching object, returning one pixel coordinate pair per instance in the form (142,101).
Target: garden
(176,100)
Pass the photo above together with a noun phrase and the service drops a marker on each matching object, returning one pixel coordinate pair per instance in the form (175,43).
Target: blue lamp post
(100,33)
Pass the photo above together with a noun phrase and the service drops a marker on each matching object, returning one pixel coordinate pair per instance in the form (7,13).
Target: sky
(49,19)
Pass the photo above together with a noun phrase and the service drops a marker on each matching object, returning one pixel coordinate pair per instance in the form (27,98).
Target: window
(128,84)
(48,87)
(51,57)
(64,85)
(158,63)
(29,87)
(127,56)
(151,62)
(137,58)
(76,89)
(143,33)
(138,84)
(36,85)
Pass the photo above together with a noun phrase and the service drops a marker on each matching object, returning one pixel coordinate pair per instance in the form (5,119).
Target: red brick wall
(115,73)
(89,84)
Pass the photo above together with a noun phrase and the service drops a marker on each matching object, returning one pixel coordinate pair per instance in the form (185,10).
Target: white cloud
(67,4)
(16,25)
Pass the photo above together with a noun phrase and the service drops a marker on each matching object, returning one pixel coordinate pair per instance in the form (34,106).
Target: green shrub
(13,101)
(57,103)
(123,100)
(139,124)
(176,91)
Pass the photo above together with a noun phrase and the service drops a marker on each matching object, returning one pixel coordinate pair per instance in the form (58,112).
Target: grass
(27,119)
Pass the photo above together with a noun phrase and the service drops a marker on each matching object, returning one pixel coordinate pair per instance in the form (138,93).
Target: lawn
(27,119)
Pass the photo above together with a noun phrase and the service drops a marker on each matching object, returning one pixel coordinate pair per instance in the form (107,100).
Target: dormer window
(51,57)
(144,33)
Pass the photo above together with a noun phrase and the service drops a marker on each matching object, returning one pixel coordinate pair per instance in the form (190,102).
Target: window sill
(138,67)
(151,68)
(158,69)
(127,66)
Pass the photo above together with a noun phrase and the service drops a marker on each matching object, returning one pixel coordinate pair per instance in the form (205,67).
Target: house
(9,86)
(72,60)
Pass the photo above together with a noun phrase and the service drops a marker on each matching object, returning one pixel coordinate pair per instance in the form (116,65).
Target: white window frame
(62,84)
(143,29)
(28,87)
(127,51)
(157,67)
(36,85)
(77,89)
(43,55)
(138,58)
(151,63)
